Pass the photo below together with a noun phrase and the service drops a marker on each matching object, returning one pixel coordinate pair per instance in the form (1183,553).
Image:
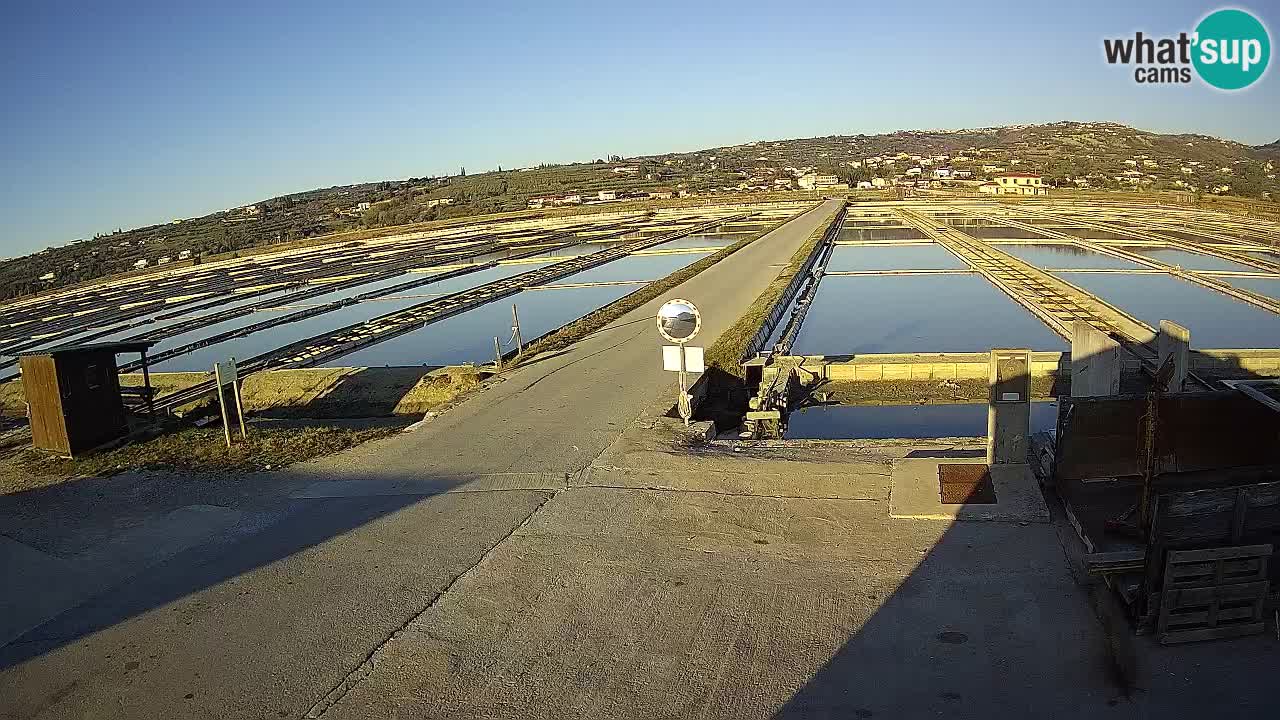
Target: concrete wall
(1095,362)
(925,366)
(1174,343)
(1214,364)
(1235,364)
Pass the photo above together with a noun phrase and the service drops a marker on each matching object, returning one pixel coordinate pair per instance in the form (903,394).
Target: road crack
(356,676)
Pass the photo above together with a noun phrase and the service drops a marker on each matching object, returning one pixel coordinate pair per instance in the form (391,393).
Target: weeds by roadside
(204,450)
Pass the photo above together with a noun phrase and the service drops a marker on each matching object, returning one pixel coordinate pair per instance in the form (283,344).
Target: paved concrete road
(774,583)
(638,604)
(260,626)
(266,623)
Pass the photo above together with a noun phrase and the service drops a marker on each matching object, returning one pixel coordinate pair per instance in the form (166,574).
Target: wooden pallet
(1213,593)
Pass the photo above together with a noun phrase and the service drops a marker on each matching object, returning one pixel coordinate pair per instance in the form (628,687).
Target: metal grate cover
(965,484)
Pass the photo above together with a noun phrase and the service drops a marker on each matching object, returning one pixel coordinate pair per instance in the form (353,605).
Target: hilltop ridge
(1094,155)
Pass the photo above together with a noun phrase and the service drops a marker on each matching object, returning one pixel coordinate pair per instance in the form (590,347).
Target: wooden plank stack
(1213,593)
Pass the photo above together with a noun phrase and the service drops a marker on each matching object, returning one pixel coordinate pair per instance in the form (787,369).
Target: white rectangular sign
(693,361)
(693,358)
(227,376)
(225,372)
(671,358)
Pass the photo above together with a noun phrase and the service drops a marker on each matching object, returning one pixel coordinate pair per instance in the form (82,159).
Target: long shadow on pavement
(989,623)
(992,624)
(296,524)
(304,526)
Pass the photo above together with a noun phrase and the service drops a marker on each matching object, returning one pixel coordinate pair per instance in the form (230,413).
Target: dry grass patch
(204,450)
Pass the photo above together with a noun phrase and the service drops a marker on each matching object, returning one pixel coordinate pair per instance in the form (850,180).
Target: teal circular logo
(1231,49)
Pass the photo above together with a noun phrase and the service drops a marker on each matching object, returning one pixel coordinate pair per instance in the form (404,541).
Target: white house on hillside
(1020,184)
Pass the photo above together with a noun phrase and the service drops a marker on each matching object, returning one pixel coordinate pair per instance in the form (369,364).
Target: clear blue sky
(125,114)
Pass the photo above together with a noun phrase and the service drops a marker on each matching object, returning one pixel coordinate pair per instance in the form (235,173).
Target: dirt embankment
(314,392)
(294,415)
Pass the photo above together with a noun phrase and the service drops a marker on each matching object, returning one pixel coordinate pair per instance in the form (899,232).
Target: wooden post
(1148,461)
(235,387)
(232,378)
(497,354)
(686,407)
(1150,438)
(515,331)
(146,388)
(222,403)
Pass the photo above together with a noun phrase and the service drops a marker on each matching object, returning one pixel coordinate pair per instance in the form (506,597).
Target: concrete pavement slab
(266,623)
(915,493)
(39,586)
(264,626)
(641,604)
(431,486)
(35,584)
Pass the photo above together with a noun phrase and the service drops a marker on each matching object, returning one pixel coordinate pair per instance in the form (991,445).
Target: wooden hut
(74,397)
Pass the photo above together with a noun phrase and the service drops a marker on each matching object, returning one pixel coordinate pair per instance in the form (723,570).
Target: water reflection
(900,257)
(271,338)
(635,267)
(712,240)
(1263,286)
(879,422)
(468,337)
(1189,260)
(1215,320)
(1264,255)
(987,229)
(920,313)
(1066,256)
(890,233)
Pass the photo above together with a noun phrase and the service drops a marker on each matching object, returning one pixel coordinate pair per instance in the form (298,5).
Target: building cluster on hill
(1098,156)
(602,196)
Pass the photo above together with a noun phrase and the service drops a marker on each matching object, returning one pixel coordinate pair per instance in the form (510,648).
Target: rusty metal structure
(1176,498)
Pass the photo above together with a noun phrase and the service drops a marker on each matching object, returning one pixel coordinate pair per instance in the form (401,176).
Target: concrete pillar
(1174,341)
(1095,362)
(1009,407)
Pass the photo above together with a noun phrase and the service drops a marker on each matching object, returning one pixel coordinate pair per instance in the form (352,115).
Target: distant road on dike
(554,416)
